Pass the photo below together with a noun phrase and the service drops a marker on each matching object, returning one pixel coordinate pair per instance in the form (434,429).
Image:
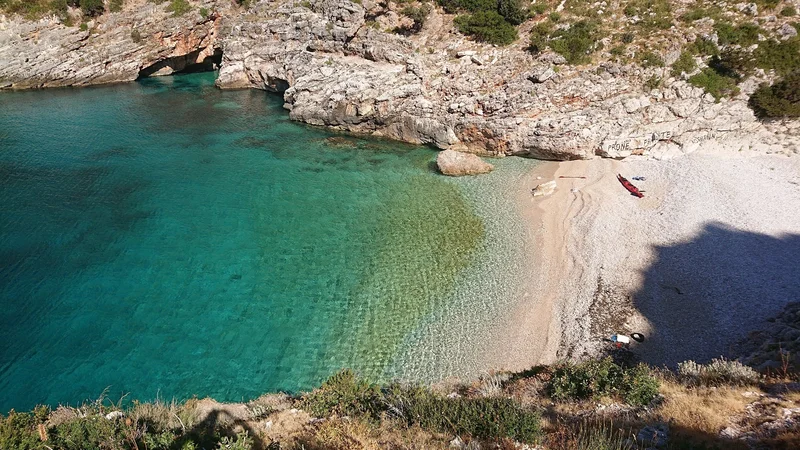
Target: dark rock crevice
(189,63)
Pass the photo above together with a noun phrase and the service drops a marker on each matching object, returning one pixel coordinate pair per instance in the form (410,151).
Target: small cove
(165,238)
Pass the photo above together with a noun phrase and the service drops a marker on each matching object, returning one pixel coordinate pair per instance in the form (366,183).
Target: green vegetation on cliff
(781,99)
(554,407)
(491,21)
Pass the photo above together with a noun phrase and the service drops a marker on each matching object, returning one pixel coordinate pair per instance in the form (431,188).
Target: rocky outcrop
(335,70)
(544,189)
(777,347)
(336,67)
(456,164)
(116,47)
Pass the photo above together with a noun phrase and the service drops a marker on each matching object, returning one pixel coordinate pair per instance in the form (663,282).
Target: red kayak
(631,188)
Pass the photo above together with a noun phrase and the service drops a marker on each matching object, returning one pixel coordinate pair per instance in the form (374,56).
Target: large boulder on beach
(456,164)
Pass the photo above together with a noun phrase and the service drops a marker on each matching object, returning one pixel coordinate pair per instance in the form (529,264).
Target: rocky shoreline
(335,67)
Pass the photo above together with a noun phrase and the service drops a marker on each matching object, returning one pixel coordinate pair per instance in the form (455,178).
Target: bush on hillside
(745,34)
(92,8)
(487,26)
(454,6)
(418,14)
(653,14)
(717,373)
(650,59)
(18,431)
(735,63)
(540,34)
(34,9)
(782,99)
(684,64)
(601,378)
(512,11)
(715,84)
(482,418)
(179,7)
(703,47)
(343,394)
(577,42)
(782,57)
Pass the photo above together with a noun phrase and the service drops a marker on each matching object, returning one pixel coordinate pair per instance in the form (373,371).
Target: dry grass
(165,416)
(343,434)
(706,410)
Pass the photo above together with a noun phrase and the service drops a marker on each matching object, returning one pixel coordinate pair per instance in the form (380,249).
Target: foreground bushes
(603,378)
(345,394)
(482,418)
(717,373)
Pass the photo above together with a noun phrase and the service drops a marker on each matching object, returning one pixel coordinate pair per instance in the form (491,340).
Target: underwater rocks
(456,164)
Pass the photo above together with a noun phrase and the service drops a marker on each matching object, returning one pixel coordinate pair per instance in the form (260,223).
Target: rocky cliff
(336,67)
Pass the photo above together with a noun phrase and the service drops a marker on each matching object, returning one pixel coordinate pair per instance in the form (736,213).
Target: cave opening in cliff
(189,63)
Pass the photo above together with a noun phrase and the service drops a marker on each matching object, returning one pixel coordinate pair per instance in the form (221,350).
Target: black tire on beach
(638,337)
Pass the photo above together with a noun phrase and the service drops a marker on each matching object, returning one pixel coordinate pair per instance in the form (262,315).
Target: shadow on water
(704,295)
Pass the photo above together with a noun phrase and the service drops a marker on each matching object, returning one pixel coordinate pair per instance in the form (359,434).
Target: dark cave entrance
(184,64)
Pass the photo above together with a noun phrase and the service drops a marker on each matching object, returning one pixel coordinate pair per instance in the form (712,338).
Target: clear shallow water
(167,238)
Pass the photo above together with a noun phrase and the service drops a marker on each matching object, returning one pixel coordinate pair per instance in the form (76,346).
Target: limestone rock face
(337,64)
(456,164)
(117,47)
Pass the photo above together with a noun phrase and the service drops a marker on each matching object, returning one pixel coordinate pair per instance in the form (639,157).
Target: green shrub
(86,433)
(789,11)
(136,37)
(782,99)
(684,64)
(83,27)
(449,6)
(418,14)
(179,7)
(650,59)
(733,63)
(654,82)
(577,42)
(782,57)
(653,14)
(703,47)
(343,394)
(745,34)
(717,373)
(18,431)
(701,9)
(92,7)
(482,418)
(512,11)
(599,378)
(554,16)
(538,8)
(540,33)
(115,5)
(627,38)
(487,26)
(204,13)
(478,5)
(715,84)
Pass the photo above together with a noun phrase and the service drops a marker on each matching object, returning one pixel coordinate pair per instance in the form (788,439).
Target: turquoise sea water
(167,238)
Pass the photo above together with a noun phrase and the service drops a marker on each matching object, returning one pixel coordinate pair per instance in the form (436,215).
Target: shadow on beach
(703,296)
